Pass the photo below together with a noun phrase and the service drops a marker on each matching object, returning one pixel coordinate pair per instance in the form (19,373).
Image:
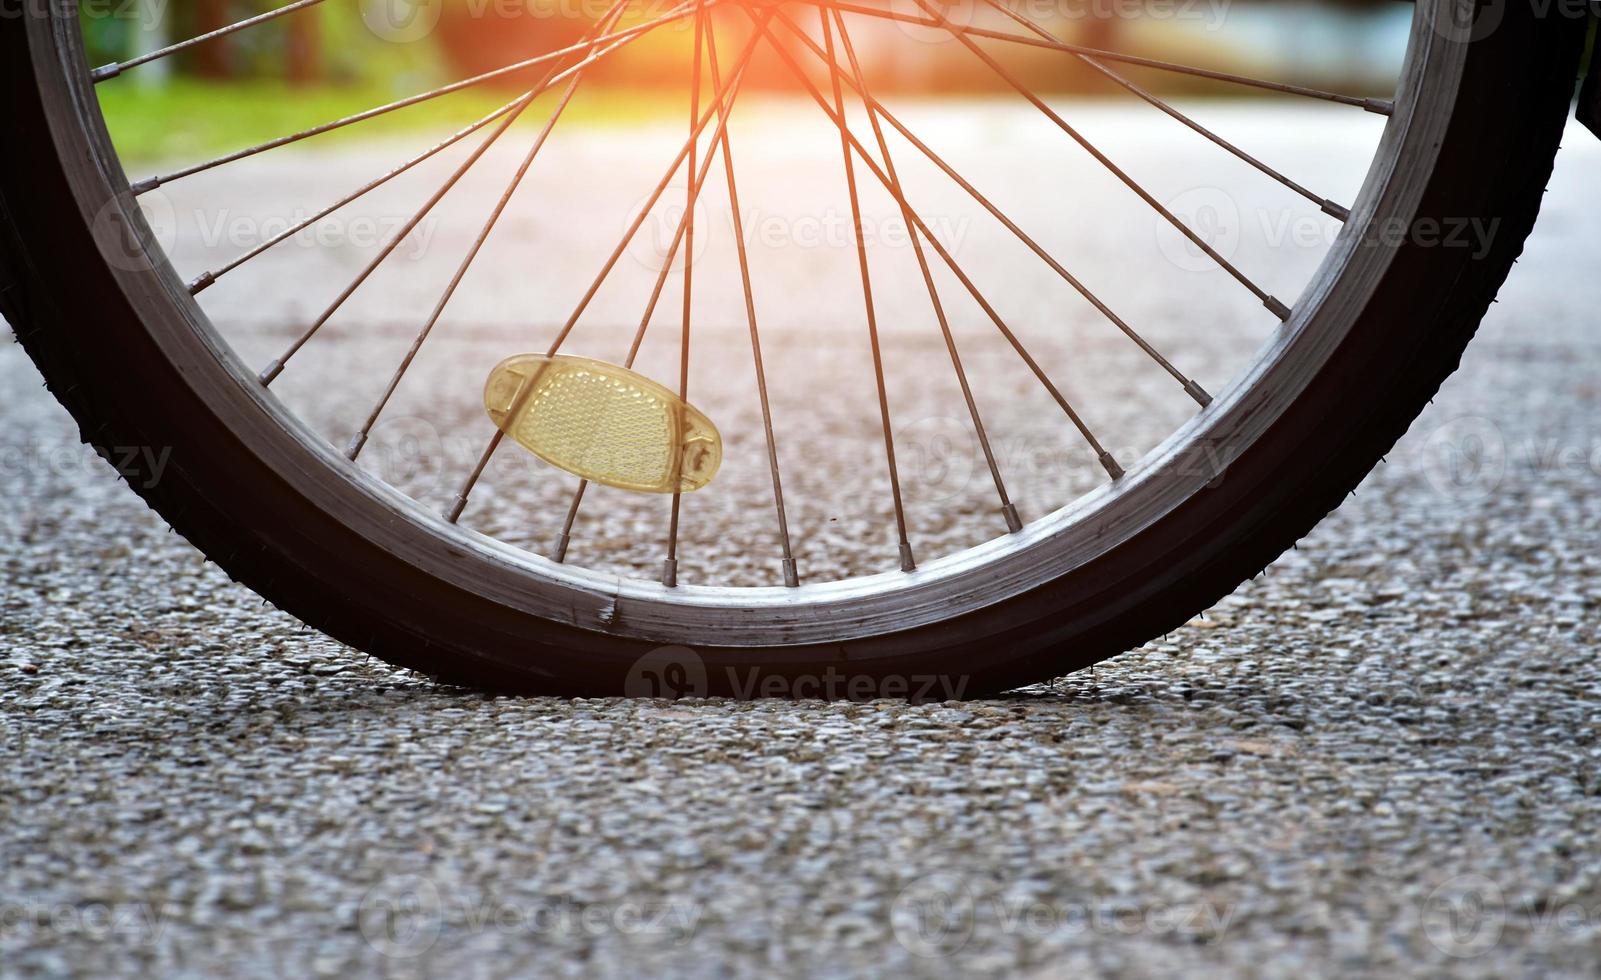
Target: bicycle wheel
(1135,546)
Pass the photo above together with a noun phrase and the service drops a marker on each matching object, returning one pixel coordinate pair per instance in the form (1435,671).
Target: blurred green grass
(185,118)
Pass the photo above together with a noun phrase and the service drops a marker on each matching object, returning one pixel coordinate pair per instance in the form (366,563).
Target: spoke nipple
(354,448)
(560,554)
(456,507)
(201,282)
(106,71)
(1279,309)
(271,372)
(1335,211)
(1198,393)
(1014,523)
(670,573)
(1111,466)
(791,576)
(908,563)
(142,186)
(1383,107)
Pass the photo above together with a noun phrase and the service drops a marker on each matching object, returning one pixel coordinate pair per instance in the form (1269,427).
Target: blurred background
(344,57)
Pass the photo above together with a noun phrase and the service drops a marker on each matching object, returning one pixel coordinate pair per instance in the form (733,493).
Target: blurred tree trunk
(212,58)
(303,37)
(1098,30)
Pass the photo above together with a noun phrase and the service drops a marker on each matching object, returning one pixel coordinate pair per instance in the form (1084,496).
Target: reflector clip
(604,423)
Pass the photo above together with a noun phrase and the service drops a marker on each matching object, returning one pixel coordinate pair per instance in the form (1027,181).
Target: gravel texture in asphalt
(1381,756)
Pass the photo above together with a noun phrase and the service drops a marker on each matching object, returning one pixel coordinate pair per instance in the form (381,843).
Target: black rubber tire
(76,322)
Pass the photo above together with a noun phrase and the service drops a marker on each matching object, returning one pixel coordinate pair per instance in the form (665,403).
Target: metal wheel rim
(939,589)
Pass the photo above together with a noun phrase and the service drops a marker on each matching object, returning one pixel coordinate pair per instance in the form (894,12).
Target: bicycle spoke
(714,93)
(1383,107)
(1327,206)
(206,279)
(453,514)
(112,70)
(1190,386)
(1105,458)
(1272,303)
(720,136)
(908,561)
(697,183)
(360,439)
(271,371)
(1014,522)
(791,574)
(613,42)
(661,187)
(670,563)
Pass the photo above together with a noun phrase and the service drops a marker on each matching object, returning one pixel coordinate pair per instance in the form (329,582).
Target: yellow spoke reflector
(604,423)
